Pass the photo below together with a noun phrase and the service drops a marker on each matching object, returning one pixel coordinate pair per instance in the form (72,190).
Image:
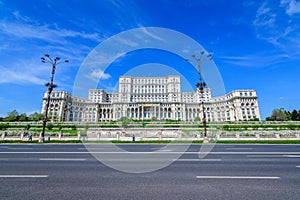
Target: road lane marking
(238,177)
(63,159)
(292,156)
(298,166)
(264,156)
(197,160)
(23,176)
(150,152)
(239,148)
(21,148)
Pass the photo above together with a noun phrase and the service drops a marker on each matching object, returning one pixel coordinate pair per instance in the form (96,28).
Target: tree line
(280,114)
(14,116)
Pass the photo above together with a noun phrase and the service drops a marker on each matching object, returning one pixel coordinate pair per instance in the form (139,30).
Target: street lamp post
(201,85)
(50,87)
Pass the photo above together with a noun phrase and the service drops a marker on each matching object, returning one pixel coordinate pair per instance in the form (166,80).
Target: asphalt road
(60,171)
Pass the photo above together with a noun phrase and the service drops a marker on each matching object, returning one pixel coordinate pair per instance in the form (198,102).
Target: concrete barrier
(257,136)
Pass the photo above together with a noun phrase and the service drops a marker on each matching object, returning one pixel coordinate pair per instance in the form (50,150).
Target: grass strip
(159,141)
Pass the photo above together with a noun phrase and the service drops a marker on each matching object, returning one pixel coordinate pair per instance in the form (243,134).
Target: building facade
(145,98)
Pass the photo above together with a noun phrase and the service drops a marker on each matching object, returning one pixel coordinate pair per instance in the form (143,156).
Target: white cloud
(264,16)
(255,60)
(274,26)
(100,75)
(43,32)
(19,77)
(293,6)
(19,17)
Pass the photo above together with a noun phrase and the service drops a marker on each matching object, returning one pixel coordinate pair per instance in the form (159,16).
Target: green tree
(125,121)
(36,116)
(295,115)
(288,115)
(279,114)
(23,117)
(11,116)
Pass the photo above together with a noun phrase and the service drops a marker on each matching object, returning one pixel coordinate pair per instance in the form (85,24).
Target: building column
(158,112)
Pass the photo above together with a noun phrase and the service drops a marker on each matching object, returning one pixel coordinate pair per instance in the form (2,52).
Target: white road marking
(264,156)
(21,148)
(23,176)
(239,148)
(238,177)
(151,152)
(166,150)
(197,160)
(292,156)
(298,166)
(63,159)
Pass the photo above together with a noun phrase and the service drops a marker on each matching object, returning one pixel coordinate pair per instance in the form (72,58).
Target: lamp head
(54,85)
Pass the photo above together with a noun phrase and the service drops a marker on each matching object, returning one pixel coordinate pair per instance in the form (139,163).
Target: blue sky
(255,44)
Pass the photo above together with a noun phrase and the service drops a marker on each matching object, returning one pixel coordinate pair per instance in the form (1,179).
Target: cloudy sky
(254,44)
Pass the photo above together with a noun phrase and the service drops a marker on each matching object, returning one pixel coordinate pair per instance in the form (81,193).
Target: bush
(4,126)
(50,126)
(27,127)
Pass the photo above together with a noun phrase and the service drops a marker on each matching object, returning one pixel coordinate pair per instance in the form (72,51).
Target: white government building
(145,98)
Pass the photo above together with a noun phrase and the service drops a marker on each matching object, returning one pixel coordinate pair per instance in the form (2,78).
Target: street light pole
(201,85)
(50,86)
